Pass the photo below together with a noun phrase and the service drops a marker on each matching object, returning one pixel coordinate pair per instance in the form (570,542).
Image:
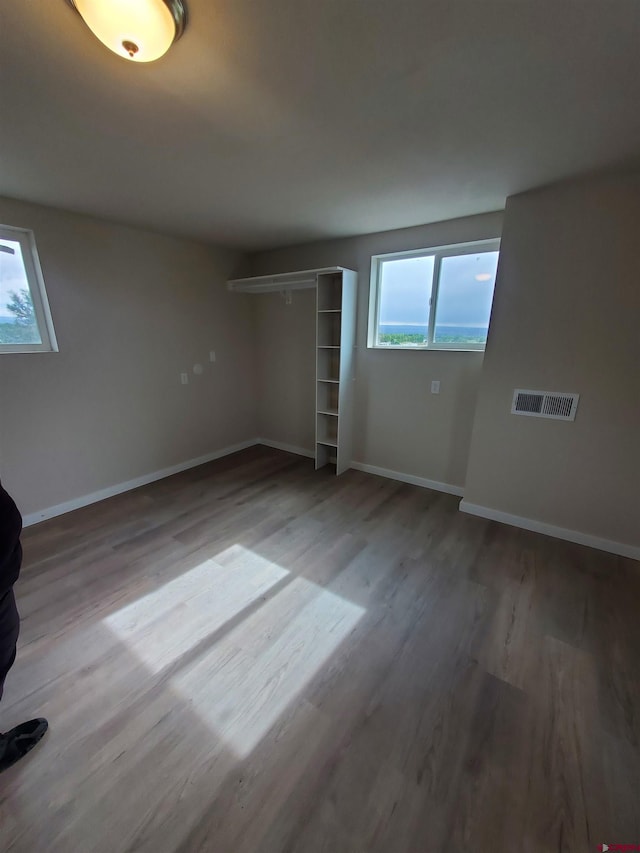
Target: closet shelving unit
(336,291)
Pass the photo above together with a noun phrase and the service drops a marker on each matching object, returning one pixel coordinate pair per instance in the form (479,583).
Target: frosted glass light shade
(139,30)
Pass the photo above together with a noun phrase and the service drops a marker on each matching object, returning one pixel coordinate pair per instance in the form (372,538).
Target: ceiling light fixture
(484,276)
(139,30)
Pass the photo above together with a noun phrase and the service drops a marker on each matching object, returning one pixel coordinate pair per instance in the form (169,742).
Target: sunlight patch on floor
(162,626)
(243,684)
(246,679)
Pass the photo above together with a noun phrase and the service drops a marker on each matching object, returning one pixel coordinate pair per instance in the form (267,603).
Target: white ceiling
(279,121)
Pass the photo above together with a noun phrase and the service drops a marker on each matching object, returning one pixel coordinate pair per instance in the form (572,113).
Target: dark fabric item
(16,743)
(9,630)
(10,561)
(10,550)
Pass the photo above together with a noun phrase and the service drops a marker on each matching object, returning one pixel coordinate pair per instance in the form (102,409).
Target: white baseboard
(619,548)
(373,469)
(118,488)
(409,478)
(290,448)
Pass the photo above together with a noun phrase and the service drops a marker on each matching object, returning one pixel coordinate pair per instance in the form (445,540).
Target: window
(433,299)
(25,319)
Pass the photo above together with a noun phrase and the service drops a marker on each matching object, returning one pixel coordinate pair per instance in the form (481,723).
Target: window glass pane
(405,291)
(18,323)
(465,294)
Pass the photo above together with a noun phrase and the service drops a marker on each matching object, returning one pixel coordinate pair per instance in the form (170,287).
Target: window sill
(20,350)
(379,348)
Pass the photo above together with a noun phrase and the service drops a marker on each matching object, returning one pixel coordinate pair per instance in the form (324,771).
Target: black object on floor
(16,743)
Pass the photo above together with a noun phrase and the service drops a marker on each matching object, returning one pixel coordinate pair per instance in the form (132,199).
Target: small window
(25,319)
(433,299)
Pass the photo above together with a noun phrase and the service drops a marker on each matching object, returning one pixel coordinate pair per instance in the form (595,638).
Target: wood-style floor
(252,657)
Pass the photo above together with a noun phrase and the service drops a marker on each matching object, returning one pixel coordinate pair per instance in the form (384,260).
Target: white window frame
(27,241)
(437,253)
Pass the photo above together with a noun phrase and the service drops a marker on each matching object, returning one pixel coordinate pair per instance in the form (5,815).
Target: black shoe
(16,743)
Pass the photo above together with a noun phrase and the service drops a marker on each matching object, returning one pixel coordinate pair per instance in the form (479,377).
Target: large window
(433,299)
(25,319)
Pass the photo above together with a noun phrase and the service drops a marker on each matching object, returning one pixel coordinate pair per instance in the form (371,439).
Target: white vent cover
(545,404)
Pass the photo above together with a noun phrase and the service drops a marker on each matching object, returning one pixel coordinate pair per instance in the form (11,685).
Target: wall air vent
(545,404)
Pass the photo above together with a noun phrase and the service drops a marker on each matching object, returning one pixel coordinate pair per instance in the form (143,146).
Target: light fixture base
(176,7)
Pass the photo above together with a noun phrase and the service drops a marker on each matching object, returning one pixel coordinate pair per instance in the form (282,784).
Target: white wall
(399,424)
(566,317)
(131,309)
(285,367)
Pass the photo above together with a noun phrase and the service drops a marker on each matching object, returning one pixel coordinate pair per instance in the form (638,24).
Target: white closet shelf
(298,280)
(335,313)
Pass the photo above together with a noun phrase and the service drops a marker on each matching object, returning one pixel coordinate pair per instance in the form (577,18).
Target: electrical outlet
(212,355)
(435,386)
(184,378)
